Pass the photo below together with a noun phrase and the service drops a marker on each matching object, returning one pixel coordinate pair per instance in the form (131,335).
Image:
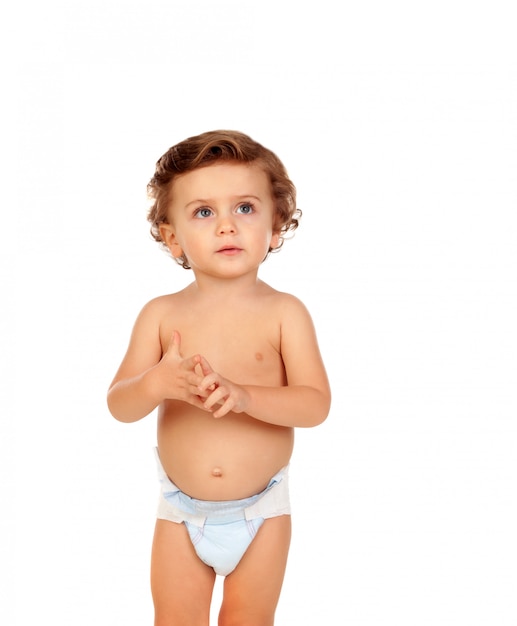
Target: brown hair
(206,149)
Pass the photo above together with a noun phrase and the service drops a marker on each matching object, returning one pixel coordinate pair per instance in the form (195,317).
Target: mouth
(229,250)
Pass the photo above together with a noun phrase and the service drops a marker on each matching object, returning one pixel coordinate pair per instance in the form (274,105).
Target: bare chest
(241,345)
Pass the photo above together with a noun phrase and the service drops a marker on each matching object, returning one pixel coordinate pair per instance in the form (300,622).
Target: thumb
(175,343)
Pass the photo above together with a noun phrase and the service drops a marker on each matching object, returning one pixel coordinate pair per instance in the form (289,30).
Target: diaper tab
(170,502)
(275,499)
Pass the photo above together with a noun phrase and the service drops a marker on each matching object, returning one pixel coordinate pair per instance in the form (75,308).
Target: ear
(275,240)
(169,239)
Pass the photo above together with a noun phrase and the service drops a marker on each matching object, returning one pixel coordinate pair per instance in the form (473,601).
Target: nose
(226,225)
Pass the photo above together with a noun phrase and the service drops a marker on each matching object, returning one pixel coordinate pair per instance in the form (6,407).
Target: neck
(211,286)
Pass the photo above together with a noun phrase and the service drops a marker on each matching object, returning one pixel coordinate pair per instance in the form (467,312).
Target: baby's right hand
(177,377)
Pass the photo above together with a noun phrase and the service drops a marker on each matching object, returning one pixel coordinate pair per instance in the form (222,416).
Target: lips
(229,250)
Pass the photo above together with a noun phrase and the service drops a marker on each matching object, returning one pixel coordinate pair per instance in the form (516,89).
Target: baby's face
(221,218)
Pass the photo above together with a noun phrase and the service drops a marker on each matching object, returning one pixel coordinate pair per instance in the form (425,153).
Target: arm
(303,402)
(146,377)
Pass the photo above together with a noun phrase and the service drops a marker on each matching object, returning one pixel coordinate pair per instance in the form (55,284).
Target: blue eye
(245,209)
(203,212)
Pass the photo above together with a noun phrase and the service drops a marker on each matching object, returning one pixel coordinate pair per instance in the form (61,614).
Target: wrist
(153,382)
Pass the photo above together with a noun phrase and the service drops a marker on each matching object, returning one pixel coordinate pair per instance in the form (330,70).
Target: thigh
(181,583)
(252,590)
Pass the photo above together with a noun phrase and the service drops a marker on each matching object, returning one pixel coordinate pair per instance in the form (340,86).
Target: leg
(252,590)
(181,583)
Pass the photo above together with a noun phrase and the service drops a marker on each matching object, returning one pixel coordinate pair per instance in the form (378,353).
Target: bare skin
(233,366)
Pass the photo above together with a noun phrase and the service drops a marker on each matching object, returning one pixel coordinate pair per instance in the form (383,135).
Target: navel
(217,472)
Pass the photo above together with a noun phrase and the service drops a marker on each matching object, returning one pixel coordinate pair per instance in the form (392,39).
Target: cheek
(193,244)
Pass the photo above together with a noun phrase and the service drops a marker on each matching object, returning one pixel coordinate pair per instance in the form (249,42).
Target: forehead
(221,180)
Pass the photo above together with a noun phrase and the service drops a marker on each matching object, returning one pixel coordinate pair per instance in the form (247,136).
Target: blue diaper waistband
(221,511)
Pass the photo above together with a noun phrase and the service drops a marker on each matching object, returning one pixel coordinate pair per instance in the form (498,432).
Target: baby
(233,366)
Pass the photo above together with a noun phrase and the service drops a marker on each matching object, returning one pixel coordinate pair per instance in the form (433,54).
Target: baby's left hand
(219,391)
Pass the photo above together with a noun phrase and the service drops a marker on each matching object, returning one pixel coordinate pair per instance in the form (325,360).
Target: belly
(220,459)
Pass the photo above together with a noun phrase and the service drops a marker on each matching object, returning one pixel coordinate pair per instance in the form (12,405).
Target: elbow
(112,408)
(321,417)
(320,411)
(115,409)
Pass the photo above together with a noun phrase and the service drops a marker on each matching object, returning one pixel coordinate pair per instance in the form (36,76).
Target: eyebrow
(206,201)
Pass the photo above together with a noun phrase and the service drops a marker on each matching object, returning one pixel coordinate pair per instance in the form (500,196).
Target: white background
(398,123)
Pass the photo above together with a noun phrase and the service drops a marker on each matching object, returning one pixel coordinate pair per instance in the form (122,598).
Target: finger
(175,343)
(218,396)
(224,409)
(192,363)
(194,390)
(205,366)
(210,382)
(198,402)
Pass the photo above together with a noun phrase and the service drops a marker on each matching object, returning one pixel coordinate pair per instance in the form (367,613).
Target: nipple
(217,472)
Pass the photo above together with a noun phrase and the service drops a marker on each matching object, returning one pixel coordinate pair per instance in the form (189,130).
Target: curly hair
(216,146)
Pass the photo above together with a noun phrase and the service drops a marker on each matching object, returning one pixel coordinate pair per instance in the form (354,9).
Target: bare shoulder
(290,315)
(286,303)
(299,345)
(161,305)
(149,321)
(146,343)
